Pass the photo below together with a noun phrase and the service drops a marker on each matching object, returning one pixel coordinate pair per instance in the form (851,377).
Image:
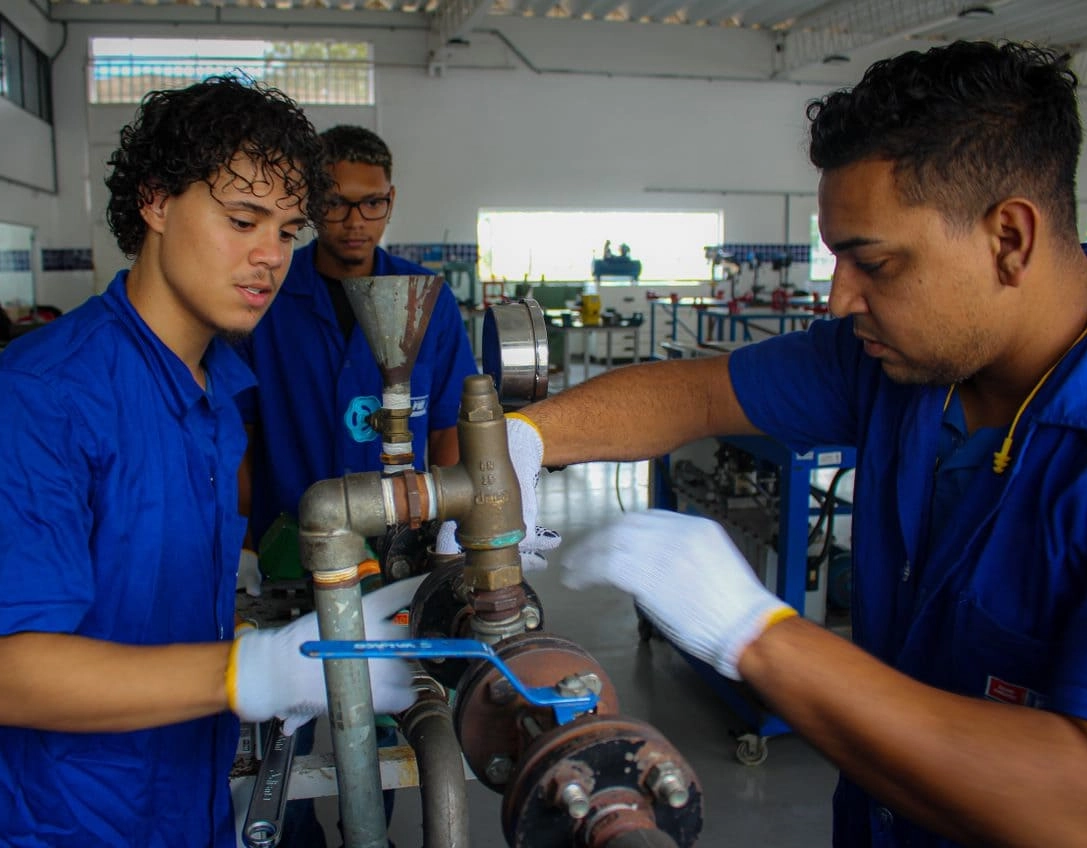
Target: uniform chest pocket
(996,662)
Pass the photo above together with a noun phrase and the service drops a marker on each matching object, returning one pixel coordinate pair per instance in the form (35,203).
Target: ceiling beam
(657,10)
(712,10)
(451,22)
(540,8)
(454,19)
(844,26)
(594,8)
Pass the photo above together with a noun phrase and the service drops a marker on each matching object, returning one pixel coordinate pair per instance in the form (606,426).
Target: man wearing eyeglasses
(317,379)
(316,375)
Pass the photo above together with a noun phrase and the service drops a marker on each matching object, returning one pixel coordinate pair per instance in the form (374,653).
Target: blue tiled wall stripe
(436,253)
(82,259)
(746,251)
(14,260)
(67,259)
(469,252)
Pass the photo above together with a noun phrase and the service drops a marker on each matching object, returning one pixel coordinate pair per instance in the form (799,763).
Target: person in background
(119,498)
(316,375)
(957,367)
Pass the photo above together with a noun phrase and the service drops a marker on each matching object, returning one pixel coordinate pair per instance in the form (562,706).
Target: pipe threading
(340,578)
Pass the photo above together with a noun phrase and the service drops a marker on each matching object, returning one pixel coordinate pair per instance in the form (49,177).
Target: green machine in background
(461,278)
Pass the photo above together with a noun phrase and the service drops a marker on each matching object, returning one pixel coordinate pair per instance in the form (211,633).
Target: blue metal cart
(795,514)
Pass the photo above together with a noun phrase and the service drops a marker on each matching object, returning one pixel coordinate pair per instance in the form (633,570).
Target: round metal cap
(515,351)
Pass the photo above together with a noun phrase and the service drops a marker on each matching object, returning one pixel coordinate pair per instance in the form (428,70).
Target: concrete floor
(783,802)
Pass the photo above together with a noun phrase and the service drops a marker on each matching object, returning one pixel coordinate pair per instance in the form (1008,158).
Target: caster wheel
(751,750)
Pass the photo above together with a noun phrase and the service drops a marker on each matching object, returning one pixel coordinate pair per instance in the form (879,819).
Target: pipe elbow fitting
(323,507)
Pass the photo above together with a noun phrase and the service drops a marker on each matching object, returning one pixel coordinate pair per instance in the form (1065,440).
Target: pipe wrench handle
(264,821)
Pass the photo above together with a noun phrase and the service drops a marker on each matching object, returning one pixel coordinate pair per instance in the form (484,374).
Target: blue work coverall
(995,605)
(119,507)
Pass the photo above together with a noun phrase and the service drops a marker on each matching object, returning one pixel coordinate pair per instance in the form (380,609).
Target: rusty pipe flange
(588,782)
(495,725)
(442,609)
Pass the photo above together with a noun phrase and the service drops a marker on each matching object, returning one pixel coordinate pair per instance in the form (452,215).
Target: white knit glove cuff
(256,695)
(768,610)
(526,451)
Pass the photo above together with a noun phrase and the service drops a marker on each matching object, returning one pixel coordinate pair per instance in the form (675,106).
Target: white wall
(513,139)
(534,114)
(43,169)
(505,136)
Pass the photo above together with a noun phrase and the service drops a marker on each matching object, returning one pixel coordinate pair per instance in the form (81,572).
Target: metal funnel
(394,312)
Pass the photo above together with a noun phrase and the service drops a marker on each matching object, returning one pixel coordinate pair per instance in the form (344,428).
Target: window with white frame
(561,245)
(25,75)
(122,70)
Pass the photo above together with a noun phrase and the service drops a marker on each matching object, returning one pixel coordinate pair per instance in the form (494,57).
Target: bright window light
(561,245)
(822,260)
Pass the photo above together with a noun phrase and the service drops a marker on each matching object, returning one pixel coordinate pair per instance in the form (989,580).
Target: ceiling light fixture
(835,59)
(976,12)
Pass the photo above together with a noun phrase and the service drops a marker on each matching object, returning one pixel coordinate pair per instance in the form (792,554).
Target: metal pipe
(331,509)
(428,726)
(331,550)
(335,517)
(350,704)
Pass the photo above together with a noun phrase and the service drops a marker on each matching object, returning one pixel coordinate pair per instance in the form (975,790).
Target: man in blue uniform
(121,442)
(316,375)
(957,366)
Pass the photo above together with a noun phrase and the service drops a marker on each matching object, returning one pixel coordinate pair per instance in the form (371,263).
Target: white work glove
(249,576)
(526,453)
(267,675)
(687,575)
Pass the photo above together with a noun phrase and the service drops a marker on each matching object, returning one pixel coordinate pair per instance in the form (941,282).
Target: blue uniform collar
(1064,408)
(227,372)
(304,281)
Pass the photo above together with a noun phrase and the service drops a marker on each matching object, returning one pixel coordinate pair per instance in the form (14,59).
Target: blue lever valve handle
(566,707)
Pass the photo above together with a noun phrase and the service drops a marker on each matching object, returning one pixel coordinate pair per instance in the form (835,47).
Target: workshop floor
(783,802)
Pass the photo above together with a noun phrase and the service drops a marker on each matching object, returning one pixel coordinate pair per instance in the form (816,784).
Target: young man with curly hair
(957,366)
(119,498)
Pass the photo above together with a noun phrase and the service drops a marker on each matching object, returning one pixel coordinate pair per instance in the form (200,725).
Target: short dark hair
(966,125)
(187,135)
(346,143)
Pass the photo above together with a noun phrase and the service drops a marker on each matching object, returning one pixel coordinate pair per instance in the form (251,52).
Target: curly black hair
(346,143)
(966,125)
(187,135)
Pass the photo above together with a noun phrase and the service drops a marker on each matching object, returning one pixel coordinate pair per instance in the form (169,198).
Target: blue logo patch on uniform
(1010,693)
(419,406)
(357,418)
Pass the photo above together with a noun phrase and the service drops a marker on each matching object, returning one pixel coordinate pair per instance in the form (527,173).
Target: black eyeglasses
(370,208)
